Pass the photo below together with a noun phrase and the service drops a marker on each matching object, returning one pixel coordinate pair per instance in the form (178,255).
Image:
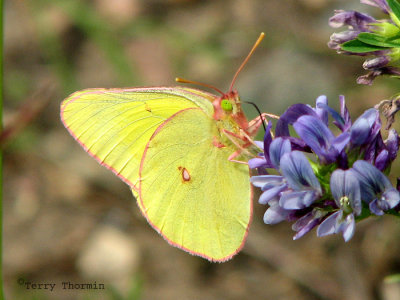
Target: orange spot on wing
(185,174)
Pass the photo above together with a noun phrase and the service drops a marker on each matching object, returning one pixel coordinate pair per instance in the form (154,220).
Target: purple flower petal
(318,136)
(382,4)
(376,62)
(391,197)
(290,116)
(297,199)
(328,226)
(271,193)
(336,116)
(372,181)
(345,185)
(266,180)
(382,160)
(321,112)
(356,20)
(305,224)
(298,144)
(298,172)
(335,223)
(375,209)
(275,214)
(360,132)
(372,147)
(303,221)
(278,148)
(340,142)
(392,144)
(366,127)
(267,141)
(344,113)
(257,162)
(259,144)
(348,227)
(338,38)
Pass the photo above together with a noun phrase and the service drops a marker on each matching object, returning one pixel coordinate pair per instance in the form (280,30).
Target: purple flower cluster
(366,36)
(318,178)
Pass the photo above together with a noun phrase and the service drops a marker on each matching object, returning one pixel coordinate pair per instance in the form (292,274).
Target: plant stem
(1,152)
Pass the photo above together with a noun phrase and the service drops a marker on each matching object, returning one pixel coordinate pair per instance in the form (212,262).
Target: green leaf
(395,14)
(378,40)
(357,46)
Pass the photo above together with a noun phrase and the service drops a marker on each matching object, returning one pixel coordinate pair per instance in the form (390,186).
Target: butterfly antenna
(181,80)
(259,112)
(260,38)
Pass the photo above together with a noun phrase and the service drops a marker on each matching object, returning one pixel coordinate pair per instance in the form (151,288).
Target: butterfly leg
(233,137)
(255,124)
(235,154)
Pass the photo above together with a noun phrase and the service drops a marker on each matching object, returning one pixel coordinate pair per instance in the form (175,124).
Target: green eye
(226,105)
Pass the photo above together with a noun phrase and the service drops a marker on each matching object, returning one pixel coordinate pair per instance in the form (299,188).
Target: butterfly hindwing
(190,192)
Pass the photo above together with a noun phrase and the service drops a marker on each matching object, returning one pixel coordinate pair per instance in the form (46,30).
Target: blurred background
(67,219)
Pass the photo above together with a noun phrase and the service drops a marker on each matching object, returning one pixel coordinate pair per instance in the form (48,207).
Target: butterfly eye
(226,105)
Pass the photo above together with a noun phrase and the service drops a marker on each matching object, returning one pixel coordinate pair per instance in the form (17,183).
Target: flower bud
(376,62)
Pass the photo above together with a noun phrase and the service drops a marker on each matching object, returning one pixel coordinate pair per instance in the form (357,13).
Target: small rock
(109,255)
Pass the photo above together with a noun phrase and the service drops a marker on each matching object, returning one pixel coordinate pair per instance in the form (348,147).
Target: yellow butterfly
(176,148)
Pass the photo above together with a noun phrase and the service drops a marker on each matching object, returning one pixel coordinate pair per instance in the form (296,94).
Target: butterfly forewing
(114,125)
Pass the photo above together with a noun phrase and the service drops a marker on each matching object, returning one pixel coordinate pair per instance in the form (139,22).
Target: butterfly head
(226,105)
(228,108)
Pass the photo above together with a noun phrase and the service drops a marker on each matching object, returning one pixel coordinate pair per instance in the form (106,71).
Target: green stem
(1,153)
